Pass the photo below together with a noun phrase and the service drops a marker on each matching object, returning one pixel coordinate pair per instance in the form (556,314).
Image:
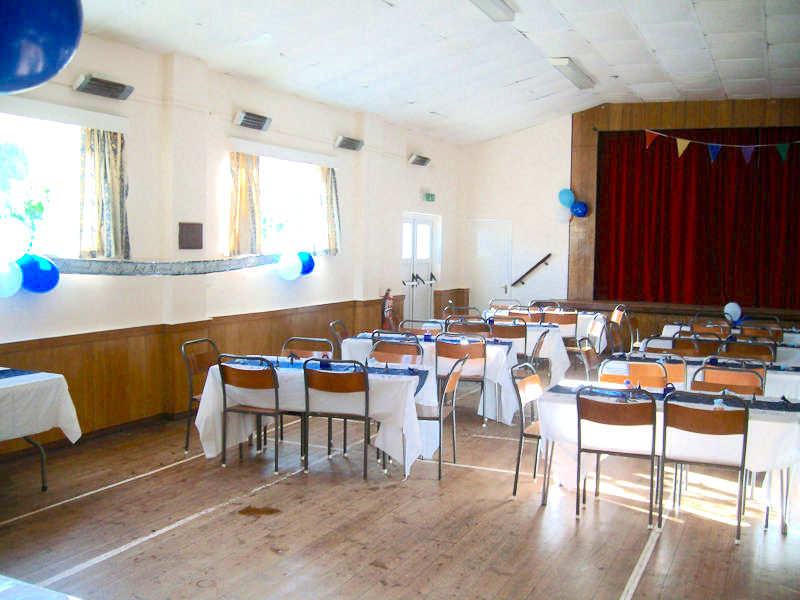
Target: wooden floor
(180,526)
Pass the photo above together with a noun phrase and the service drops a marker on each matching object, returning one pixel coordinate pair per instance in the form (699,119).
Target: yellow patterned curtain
(332,210)
(245,235)
(104,193)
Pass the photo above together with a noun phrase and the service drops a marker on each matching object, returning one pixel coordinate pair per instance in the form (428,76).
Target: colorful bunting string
(713,147)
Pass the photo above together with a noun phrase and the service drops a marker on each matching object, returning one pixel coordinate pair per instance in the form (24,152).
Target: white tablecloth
(391,401)
(567,331)
(790,336)
(36,402)
(773,436)
(499,360)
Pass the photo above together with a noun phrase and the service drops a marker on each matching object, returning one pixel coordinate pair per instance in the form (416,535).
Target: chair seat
(533,430)
(244,408)
(426,412)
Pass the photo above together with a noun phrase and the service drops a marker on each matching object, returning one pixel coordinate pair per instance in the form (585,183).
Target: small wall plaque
(190,236)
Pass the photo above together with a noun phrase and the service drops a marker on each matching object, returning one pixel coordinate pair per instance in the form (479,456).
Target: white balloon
(10,279)
(563,214)
(290,266)
(733,311)
(15,238)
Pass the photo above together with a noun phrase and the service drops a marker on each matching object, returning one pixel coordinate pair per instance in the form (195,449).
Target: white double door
(417,254)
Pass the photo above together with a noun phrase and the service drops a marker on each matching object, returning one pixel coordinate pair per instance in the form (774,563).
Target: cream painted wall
(179,134)
(517,177)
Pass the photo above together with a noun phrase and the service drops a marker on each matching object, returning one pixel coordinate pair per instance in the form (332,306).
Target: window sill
(100,266)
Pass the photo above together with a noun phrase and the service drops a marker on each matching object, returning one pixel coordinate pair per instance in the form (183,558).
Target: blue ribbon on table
(285,363)
(6,373)
(783,405)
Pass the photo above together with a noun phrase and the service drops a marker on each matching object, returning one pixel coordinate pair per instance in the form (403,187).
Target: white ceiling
(443,67)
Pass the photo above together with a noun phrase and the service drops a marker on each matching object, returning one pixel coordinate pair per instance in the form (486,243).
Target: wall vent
(252,120)
(91,83)
(349,143)
(418,159)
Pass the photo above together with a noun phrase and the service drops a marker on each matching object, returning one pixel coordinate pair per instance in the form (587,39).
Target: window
(67,183)
(281,206)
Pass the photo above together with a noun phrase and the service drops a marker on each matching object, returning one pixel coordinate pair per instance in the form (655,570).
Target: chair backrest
(597,331)
(453,309)
(769,331)
(640,373)
(387,351)
(524,313)
(452,347)
(537,347)
(307,347)
(747,349)
(420,327)
(620,320)
(198,356)
(539,304)
(450,387)
(503,302)
(404,336)
(705,327)
(528,387)
(638,407)
(705,344)
(732,420)
(511,330)
(258,374)
(339,332)
(471,325)
(589,356)
(561,318)
(335,377)
(733,379)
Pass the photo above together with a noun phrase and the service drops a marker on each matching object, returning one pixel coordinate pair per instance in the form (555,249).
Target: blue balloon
(566,197)
(579,209)
(37,38)
(39,274)
(307,261)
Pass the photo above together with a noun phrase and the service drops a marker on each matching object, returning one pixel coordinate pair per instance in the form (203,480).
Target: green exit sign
(429,197)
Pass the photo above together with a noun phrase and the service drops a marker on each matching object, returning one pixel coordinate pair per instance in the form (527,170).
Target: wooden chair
(525,314)
(261,378)
(666,345)
(702,328)
(511,331)
(541,363)
(452,309)
(747,349)
(646,374)
(542,304)
(469,326)
(451,347)
(386,351)
(420,328)
(620,320)
(595,334)
(339,333)
(198,356)
(326,376)
(503,303)
(638,409)
(589,357)
(445,407)
(732,420)
(772,332)
(736,380)
(384,334)
(705,344)
(528,387)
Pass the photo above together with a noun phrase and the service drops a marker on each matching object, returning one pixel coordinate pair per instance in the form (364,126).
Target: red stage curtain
(683,230)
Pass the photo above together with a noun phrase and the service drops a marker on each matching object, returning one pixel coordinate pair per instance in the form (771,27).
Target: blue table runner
(6,373)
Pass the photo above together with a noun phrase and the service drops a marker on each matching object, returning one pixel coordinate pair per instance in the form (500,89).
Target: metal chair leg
(366,445)
(516,471)
(441,449)
(483,403)
(536,459)
(276,443)
(224,437)
(739,504)
(578,488)
(548,464)
(258,434)
(188,427)
(344,439)
(453,417)
(597,477)
(281,420)
(660,490)
(42,460)
(330,438)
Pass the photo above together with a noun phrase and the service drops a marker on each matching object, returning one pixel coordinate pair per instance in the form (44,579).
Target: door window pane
(407,244)
(423,241)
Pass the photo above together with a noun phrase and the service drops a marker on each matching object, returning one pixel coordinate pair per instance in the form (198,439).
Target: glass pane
(423,241)
(407,232)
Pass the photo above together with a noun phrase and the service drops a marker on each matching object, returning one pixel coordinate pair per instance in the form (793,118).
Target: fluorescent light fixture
(496,10)
(571,71)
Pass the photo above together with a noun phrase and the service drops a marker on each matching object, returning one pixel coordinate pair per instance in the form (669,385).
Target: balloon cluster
(291,266)
(568,206)
(18,269)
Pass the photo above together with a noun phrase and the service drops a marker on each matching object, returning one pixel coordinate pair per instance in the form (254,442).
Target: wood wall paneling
(656,115)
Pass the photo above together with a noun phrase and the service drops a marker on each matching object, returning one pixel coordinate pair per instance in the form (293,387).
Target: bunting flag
(783,150)
(713,150)
(649,136)
(682,145)
(747,152)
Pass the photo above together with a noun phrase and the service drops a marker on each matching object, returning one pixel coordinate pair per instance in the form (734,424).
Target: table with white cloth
(32,402)
(773,442)
(500,357)
(791,336)
(577,331)
(391,403)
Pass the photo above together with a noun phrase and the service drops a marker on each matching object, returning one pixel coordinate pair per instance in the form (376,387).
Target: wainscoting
(122,376)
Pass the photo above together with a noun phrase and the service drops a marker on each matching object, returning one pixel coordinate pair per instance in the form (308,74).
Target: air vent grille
(252,120)
(349,143)
(93,84)
(418,159)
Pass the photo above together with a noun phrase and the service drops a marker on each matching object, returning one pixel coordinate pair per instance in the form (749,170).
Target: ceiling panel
(445,68)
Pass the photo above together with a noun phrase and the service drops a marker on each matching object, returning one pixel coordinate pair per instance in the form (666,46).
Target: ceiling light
(571,71)
(496,10)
